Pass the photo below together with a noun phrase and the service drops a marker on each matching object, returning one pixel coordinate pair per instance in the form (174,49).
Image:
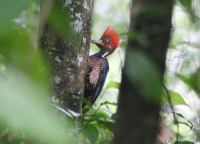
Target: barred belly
(94,75)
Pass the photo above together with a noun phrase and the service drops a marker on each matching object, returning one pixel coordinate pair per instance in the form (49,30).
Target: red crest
(113,36)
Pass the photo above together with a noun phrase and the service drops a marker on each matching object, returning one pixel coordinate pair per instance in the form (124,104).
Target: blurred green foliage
(181,77)
(9,10)
(26,114)
(24,95)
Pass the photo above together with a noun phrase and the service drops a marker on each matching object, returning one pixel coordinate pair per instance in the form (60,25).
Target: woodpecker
(98,66)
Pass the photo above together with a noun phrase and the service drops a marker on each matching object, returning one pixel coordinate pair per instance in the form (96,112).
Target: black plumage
(98,68)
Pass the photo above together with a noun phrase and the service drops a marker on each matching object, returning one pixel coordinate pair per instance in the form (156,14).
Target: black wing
(101,81)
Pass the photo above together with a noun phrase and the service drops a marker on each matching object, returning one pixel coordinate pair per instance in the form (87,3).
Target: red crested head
(110,38)
(109,41)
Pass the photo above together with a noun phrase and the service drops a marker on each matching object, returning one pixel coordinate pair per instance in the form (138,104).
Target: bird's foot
(90,67)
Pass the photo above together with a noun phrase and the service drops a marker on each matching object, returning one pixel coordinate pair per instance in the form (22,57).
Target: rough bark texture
(66,50)
(137,120)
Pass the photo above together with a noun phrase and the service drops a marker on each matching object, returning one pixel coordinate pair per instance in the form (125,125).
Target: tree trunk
(137,120)
(64,36)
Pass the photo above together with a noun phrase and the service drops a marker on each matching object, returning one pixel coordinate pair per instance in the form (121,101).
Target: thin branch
(174,115)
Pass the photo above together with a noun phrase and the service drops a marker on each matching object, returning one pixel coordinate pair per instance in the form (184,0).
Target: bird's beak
(97,42)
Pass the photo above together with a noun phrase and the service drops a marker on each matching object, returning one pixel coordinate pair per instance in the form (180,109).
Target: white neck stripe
(105,54)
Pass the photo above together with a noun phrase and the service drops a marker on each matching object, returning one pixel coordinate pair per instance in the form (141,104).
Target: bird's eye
(107,40)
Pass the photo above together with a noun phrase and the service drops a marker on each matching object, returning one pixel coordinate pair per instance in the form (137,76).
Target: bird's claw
(88,76)
(89,71)
(91,67)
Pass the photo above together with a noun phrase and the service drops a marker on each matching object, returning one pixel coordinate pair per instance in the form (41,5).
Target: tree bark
(137,120)
(64,36)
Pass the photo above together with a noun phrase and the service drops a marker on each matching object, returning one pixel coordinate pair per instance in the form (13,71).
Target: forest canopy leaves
(24,85)
(193,80)
(187,4)
(91,133)
(23,93)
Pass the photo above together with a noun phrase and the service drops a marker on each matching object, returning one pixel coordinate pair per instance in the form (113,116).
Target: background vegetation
(24,102)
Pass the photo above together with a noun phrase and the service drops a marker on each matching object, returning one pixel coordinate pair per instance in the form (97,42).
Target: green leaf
(192,81)
(106,124)
(18,141)
(85,121)
(88,103)
(195,80)
(187,4)
(103,111)
(183,142)
(176,99)
(101,141)
(113,84)
(105,121)
(101,114)
(91,133)
(184,79)
(114,116)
